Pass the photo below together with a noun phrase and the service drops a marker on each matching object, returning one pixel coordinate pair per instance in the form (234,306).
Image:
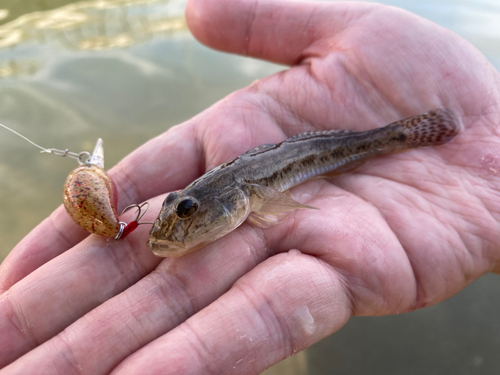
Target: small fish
(253,186)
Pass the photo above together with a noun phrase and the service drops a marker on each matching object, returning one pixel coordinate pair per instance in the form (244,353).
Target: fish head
(189,220)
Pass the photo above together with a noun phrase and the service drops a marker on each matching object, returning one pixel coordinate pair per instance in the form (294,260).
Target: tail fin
(433,128)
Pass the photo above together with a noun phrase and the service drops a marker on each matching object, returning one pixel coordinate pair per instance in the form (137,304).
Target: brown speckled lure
(89,194)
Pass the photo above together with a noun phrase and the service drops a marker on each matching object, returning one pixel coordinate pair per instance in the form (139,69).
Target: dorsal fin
(259,149)
(319,133)
(301,136)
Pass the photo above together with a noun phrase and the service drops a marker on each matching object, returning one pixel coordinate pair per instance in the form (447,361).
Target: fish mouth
(153,245)
(166,248)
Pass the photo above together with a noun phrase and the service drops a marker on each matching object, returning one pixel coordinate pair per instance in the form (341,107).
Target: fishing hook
(126,229)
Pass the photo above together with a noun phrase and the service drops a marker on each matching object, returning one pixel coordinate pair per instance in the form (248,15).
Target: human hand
(403,232)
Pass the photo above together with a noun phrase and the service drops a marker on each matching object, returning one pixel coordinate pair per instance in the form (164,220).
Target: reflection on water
(86,25)
(4,13)
(126,70)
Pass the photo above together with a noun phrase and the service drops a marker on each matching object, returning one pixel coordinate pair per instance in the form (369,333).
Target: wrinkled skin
(403,232)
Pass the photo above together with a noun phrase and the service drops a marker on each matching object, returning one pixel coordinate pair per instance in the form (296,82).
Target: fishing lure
(89,194)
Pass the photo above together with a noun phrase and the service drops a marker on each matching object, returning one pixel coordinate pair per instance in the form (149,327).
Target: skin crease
(403,232)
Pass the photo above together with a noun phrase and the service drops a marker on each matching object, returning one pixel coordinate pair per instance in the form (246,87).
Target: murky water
(126,70)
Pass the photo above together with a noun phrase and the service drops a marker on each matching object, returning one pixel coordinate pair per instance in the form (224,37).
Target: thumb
(283,32)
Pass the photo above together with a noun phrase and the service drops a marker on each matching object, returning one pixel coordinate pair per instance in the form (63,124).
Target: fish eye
(186,208)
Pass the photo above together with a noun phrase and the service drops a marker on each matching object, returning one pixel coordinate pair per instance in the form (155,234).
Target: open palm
(403,232)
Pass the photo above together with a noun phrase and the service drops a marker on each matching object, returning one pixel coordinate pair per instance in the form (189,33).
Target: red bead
(129,228)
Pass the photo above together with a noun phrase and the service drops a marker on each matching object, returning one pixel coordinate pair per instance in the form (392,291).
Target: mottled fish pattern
(252,184)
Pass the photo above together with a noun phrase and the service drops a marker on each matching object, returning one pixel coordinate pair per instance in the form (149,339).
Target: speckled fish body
(89,196)
(252,185)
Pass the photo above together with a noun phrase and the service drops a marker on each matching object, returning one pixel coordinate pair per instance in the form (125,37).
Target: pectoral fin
(270,206)
(266,220)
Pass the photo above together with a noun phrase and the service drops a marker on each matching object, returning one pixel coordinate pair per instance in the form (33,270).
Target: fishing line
(63,153)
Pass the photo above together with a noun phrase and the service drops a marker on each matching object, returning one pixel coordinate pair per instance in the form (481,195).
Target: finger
(153,306)
(46,241)
(181,287)
(279,31)
(284,305)
(496,269)
(64,289)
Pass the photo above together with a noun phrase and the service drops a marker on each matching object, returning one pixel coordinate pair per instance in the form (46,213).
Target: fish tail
(433,128)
